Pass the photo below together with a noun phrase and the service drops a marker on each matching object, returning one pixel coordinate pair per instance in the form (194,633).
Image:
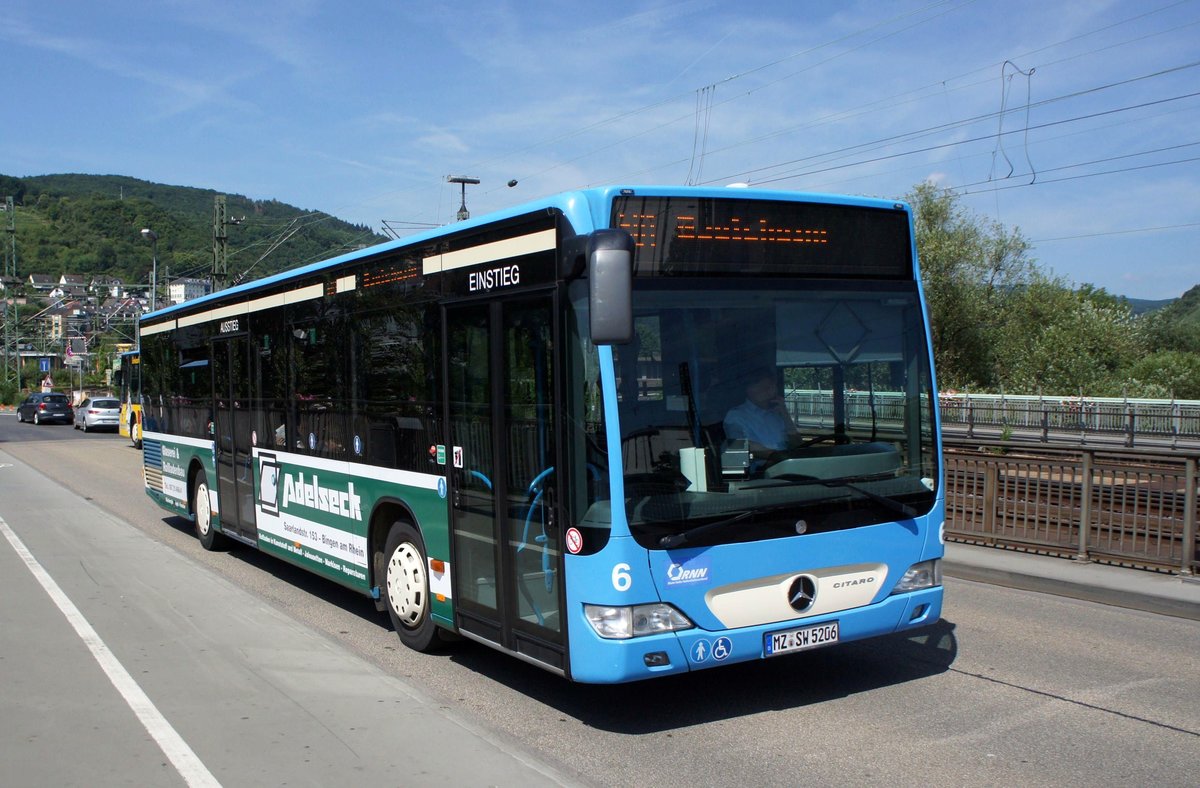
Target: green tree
(1177,325)
(1058,340)
(1000,323)
(970,270)
(1166,373)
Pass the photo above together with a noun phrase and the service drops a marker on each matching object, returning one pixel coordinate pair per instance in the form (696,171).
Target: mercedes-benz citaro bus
(609,432)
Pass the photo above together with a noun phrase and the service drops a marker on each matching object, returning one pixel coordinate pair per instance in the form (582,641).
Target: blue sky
(1074,121)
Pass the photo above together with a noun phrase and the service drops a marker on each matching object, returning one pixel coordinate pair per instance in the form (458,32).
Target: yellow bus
(129,378)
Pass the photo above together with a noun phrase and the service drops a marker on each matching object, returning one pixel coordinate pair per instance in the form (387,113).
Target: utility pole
(11,210)
(220,269)
(152,237)
(12,338)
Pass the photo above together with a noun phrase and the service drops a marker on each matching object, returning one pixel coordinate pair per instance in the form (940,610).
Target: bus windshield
(774,407)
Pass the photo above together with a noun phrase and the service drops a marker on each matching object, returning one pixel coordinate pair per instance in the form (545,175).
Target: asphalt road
(1010,688)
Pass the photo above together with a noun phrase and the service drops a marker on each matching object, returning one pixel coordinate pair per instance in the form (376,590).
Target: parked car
(98,412)
(43,408)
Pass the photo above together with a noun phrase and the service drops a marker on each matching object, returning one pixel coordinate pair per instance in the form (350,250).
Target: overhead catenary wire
(727,178)
(1130,231)
(930,130)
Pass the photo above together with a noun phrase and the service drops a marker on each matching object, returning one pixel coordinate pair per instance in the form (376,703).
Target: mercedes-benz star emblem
(802,593)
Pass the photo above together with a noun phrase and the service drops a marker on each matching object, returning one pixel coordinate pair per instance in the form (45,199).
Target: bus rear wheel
(406,588)
(210,538)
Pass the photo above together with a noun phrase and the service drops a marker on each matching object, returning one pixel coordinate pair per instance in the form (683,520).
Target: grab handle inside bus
(610,286)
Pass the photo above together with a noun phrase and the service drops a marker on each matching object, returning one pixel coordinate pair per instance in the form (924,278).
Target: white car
(98,412)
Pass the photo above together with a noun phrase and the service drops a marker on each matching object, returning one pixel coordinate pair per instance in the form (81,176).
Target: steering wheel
(836,438)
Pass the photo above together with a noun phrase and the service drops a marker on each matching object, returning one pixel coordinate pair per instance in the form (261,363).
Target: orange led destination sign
(644,229)
(714,236)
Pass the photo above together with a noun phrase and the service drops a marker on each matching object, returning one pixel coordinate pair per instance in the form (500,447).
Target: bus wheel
(406,586)
(209,538)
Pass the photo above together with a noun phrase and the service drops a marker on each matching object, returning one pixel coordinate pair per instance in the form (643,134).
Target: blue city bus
(567,430)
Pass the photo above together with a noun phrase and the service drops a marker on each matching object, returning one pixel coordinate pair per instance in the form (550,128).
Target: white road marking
(172,744)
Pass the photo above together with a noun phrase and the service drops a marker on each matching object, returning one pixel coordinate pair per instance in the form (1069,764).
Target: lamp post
(463,213)
(152,237)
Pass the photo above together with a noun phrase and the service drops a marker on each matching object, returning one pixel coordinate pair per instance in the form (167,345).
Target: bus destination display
(705,236)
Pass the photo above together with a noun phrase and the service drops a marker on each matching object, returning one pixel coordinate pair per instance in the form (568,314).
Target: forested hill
(91,224)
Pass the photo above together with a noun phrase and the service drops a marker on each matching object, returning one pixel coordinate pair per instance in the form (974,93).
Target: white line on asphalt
(172,744)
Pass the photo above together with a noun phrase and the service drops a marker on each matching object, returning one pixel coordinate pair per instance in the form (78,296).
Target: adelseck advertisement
(313,512)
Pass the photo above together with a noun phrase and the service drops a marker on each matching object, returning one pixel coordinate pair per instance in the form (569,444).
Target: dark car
(42,408)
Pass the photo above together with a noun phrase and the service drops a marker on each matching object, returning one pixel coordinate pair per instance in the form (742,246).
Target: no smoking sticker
(574,541)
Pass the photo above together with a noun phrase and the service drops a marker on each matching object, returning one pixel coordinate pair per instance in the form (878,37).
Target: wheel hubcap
(406,584)
(203,510)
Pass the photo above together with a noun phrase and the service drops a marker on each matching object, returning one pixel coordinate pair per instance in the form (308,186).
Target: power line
(1075,177)
(1093,161)
(1116,232)
(929,130)
(726,178)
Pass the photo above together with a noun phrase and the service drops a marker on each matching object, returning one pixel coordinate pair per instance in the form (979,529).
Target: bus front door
(502,419)
(231,423)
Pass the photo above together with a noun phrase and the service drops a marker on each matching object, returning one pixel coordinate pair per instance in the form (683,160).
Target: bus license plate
(800,639)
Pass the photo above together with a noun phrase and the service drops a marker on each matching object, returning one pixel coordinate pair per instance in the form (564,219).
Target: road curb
(1135,589)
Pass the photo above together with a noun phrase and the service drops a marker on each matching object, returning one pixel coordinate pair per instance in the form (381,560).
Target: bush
(9,394)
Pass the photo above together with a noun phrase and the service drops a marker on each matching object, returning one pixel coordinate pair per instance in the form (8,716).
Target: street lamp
(152,237)
(463,213)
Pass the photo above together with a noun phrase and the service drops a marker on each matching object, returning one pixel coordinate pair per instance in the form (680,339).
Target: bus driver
(763,419)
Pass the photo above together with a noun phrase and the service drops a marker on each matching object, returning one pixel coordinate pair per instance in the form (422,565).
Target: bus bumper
(604,661)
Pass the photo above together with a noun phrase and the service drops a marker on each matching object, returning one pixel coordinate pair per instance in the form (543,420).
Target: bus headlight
(631,621)
(927,574)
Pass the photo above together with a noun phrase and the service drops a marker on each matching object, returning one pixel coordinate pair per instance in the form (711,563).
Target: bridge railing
(1025,414)
(1136,510)
(1173,419)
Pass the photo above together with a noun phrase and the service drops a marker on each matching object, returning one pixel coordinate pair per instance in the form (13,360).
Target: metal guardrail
(1130,418)
(1136,510)
(1032,416)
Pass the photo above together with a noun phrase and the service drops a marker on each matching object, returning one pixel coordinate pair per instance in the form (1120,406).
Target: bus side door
(232,425)
(502,419)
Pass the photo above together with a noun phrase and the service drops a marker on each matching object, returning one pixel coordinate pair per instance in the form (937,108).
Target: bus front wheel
(209,538)
(406,586)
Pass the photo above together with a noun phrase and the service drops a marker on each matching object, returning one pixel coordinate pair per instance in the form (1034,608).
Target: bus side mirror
(610,286)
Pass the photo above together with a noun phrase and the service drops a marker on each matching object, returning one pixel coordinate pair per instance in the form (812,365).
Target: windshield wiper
(683,537)
(890,504)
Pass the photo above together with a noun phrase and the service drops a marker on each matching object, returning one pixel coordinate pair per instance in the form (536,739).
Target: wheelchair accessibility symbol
(718,649)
